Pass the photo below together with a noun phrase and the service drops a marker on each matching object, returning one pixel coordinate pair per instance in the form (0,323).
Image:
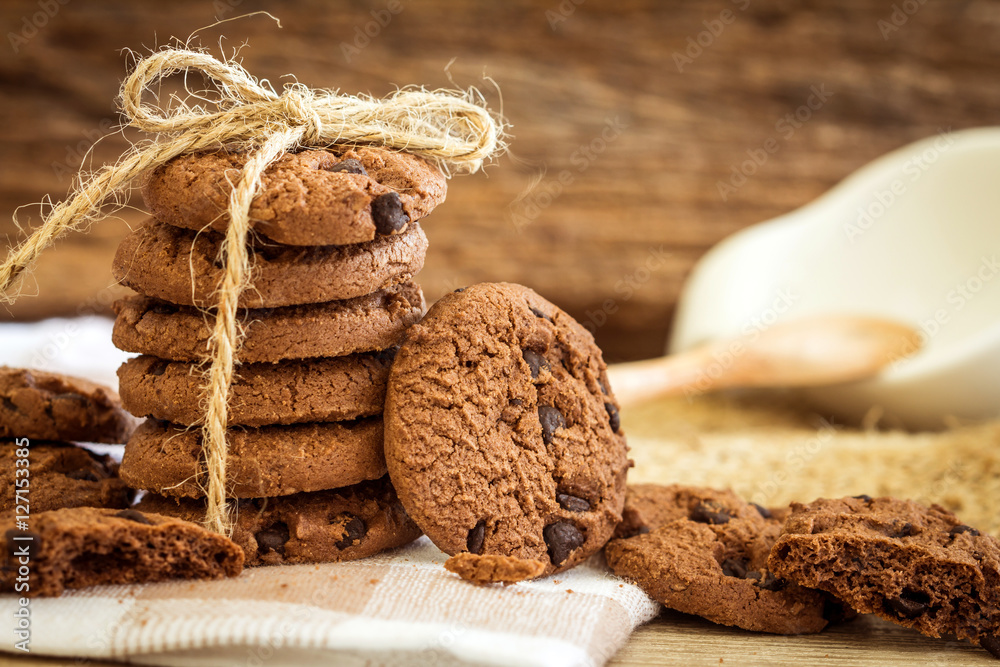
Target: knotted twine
(454,129)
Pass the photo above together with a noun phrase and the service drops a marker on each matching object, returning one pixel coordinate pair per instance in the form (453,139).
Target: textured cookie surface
(502,436)
(61,475)
(377,321)
(49,406)
(493,569)
(287,392)
(704,552)
(85,546)
(913,565)
(314,197)
(262,462)
(181,266)
(652,506)
(319,527)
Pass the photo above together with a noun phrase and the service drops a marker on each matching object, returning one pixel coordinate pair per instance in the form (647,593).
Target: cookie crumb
(491,569)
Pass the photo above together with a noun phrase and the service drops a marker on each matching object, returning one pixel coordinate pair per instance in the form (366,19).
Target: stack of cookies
(335,245)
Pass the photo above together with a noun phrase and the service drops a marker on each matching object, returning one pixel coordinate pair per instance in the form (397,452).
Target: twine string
(452,128)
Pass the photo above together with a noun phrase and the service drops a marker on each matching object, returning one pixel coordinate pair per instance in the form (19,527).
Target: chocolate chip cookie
(262,462)
(61,475)
(181,266)
(913,565)
(287,392)
(320,527)
(85,546)
(652,506)
(377,321)
(704,552)
(502,434)
(49,406)
(332,196)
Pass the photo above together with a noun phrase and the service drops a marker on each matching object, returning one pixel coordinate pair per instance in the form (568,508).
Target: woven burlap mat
(772,451)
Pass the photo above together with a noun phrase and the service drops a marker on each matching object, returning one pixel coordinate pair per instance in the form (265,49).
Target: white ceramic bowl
(913,236)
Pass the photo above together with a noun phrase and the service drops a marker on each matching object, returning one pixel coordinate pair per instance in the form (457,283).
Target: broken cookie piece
(84,546)
(492,569)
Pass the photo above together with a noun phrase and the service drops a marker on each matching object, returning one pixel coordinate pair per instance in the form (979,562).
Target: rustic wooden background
(612,190)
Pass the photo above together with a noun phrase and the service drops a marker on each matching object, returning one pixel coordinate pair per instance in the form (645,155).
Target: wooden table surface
(676,639)
(616,98)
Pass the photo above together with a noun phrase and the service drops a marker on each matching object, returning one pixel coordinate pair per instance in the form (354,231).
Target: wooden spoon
(807,352)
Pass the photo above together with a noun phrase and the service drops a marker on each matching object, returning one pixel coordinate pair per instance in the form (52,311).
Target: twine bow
(451,128)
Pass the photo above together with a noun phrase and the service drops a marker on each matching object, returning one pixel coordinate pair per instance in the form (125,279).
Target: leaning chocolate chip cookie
(913,565)
(61,475)
(332,196)
(319,527)
(86,546)
(502,434)
(704,552)
(48,406)
(183,267)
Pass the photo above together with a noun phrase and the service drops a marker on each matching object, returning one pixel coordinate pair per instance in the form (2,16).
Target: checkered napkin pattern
(400,608)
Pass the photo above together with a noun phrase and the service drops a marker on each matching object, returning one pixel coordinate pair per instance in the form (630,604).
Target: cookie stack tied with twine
(322,311)
(273,278)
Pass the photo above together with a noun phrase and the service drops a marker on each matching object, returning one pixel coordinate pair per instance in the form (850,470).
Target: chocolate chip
(710,512)
(355,529)
(459,290)
(134,515)
(613,420)
(349,166)
(767,581)
(539,313)
(273,538)
(604,388)
(863,497)
(158,367)
(551,420)
(474,542)
(8,404)
(991,644)
(962,528)
(516,401)
(536,362)
(562,537)
(388,214)
(900,529)
(735,567)
(910,604)
(763,511)
(572,503)
(83,475)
